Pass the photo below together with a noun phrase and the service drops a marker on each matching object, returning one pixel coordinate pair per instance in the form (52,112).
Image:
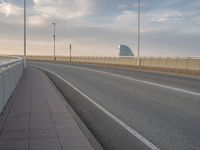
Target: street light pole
(138,57)
(70,53)
(24,33)
(54,39)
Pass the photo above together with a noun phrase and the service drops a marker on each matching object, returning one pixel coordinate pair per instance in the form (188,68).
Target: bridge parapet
(11,69)
(184,63)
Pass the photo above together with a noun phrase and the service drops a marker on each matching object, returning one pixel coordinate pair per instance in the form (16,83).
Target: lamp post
(138,56)
(70,53)
(24,33)
(54,39)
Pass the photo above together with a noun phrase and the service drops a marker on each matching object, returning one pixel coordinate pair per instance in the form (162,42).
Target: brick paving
(36,119)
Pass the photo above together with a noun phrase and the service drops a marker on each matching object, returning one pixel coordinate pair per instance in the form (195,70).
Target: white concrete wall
(9,76)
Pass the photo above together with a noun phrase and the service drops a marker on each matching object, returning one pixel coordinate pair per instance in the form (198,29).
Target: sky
(97,27)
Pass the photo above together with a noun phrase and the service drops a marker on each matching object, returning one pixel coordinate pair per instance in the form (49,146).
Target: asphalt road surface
(132,109)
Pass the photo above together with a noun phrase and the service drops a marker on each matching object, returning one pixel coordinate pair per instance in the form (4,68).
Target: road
(163,109)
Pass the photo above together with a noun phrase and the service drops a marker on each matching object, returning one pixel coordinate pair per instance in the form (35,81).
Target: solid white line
(120,122)
(136,80)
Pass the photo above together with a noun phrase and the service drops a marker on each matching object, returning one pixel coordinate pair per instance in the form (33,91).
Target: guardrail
(182,63)
(11,69)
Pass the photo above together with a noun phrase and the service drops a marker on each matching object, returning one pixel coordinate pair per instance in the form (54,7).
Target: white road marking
(136,80)
(120,122)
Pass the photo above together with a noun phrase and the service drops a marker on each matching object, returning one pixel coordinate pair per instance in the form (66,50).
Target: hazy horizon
(97,27)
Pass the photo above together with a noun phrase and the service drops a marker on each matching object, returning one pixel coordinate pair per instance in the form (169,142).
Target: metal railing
(11,70)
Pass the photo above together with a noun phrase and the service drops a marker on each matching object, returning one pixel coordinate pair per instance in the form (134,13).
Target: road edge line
(120,122)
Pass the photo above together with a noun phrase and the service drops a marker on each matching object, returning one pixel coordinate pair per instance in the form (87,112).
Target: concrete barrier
(188,63)
(10,73)
(193,64)
(1,93)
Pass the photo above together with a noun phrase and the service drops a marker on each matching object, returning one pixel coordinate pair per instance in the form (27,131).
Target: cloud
(9,9)
(43,12)
(127,16)
(36,20)
(168,16)
(62,9)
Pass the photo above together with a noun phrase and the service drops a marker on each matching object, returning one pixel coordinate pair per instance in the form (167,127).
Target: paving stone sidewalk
(36,118)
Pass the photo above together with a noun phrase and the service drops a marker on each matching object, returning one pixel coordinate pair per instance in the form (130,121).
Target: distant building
(125,51)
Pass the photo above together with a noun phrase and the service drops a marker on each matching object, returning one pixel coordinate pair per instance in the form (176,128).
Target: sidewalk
(36,118)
